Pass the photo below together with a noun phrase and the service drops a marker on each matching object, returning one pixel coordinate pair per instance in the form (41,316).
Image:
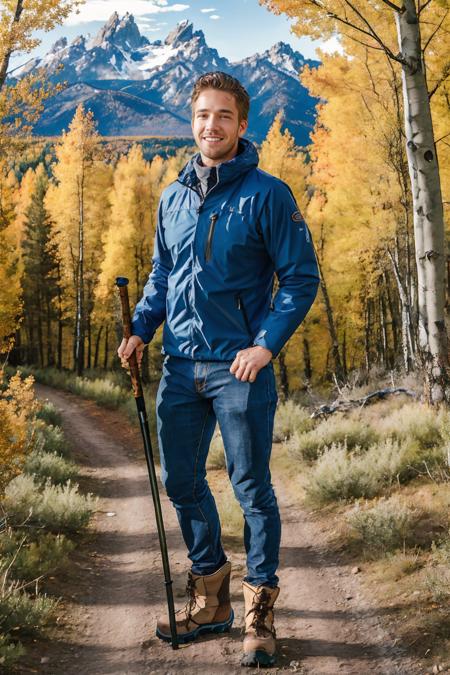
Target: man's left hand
(248,363)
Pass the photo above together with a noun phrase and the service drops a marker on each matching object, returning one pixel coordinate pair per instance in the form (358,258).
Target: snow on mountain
(162,74)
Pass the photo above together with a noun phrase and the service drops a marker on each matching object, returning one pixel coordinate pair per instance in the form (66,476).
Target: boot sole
(258,658)
(223,627)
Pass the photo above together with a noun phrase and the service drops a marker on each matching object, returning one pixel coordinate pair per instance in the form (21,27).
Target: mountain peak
(183,32)
(59,44)
(120,32)
(281,47)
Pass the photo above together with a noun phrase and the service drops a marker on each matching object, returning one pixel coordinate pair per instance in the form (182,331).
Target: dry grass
(216,455)
(401,564)
(388,525)
(352,432)
(415,421)
(230,513)
(55,508)
(290,419)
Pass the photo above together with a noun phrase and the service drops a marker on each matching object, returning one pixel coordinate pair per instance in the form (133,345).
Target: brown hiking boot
(208,609)
(259,641)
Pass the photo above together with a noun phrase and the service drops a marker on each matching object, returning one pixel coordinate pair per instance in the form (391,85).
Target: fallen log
(343,405)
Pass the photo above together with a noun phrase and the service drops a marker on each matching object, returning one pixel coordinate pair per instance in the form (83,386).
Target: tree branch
(5,62)
(392,5)
(360,42)
(423,7)
(371,33)
(442,138)
(439,82)
(434,32)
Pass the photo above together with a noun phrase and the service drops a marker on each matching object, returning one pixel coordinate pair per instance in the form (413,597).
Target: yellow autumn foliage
(10,293)
(17,409)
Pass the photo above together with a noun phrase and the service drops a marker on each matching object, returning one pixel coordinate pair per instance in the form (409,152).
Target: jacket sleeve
(289,244)
(150,311)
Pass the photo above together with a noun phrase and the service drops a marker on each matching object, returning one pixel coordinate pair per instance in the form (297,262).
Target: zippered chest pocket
(228,233)
(209,239)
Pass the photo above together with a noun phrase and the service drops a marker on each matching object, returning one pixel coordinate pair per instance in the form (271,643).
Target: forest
(374,188)
(83,215)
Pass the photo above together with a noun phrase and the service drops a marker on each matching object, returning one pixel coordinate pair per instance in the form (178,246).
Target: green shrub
(216,455)
(340,475)
(49,414)
(414,422)
(332,431)
(437,583)
(10,652)
(441,551)
(56,508)
(437,578)
(290,418)
(51,439)
(112,391)
(387,526)
(28,559)
(20,612)
(50,465)
(103,391)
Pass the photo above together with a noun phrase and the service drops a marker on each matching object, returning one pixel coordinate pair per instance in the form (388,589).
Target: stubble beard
(223,154)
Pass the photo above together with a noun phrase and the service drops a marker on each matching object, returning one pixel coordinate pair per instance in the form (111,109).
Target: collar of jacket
(246,159)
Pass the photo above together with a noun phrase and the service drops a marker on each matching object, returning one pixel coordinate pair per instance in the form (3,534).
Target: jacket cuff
(145,335)
(262,341)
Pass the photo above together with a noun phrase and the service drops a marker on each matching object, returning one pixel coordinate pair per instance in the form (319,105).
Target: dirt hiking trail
(113,590)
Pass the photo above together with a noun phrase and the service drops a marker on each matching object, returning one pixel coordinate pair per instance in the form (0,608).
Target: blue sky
(236,28)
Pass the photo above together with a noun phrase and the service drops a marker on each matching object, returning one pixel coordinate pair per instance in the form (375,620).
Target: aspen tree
(39,278)
(280,157)
(380,26)
(78,206)
(10,295)
(358,208)
(21,102)
(129,239)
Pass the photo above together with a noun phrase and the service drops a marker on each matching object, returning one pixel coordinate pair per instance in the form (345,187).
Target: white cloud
(101,10)
(331,45)
(214,16)
(207,10)
(147,29)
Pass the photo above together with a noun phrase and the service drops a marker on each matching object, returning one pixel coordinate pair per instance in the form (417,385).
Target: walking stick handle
(122,284)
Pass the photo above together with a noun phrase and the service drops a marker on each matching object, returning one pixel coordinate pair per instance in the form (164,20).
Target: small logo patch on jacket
(297,217)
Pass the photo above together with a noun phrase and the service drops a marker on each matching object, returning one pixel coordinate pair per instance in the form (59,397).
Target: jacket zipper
(241,306)
(212,225)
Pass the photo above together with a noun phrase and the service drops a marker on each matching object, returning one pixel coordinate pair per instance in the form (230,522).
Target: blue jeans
(192,396)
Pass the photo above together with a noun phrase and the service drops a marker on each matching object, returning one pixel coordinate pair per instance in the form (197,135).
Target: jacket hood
(246,159)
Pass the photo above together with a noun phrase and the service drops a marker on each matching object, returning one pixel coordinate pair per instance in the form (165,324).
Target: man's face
(216,126)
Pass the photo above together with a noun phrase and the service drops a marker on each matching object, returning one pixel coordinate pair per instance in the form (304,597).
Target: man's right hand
(127,347)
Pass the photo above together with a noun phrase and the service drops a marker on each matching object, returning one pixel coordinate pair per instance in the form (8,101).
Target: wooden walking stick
(122,284)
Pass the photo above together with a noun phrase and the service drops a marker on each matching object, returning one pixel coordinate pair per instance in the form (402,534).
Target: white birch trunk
(427,206)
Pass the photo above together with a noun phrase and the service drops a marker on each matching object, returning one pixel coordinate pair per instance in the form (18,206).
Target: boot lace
(192,598)
(260,611)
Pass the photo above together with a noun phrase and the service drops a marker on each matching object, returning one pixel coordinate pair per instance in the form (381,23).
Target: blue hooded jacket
(214,263)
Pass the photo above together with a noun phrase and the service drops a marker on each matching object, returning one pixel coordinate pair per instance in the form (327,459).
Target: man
(224,229)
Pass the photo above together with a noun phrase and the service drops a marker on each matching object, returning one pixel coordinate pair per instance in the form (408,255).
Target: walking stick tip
(121,281)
